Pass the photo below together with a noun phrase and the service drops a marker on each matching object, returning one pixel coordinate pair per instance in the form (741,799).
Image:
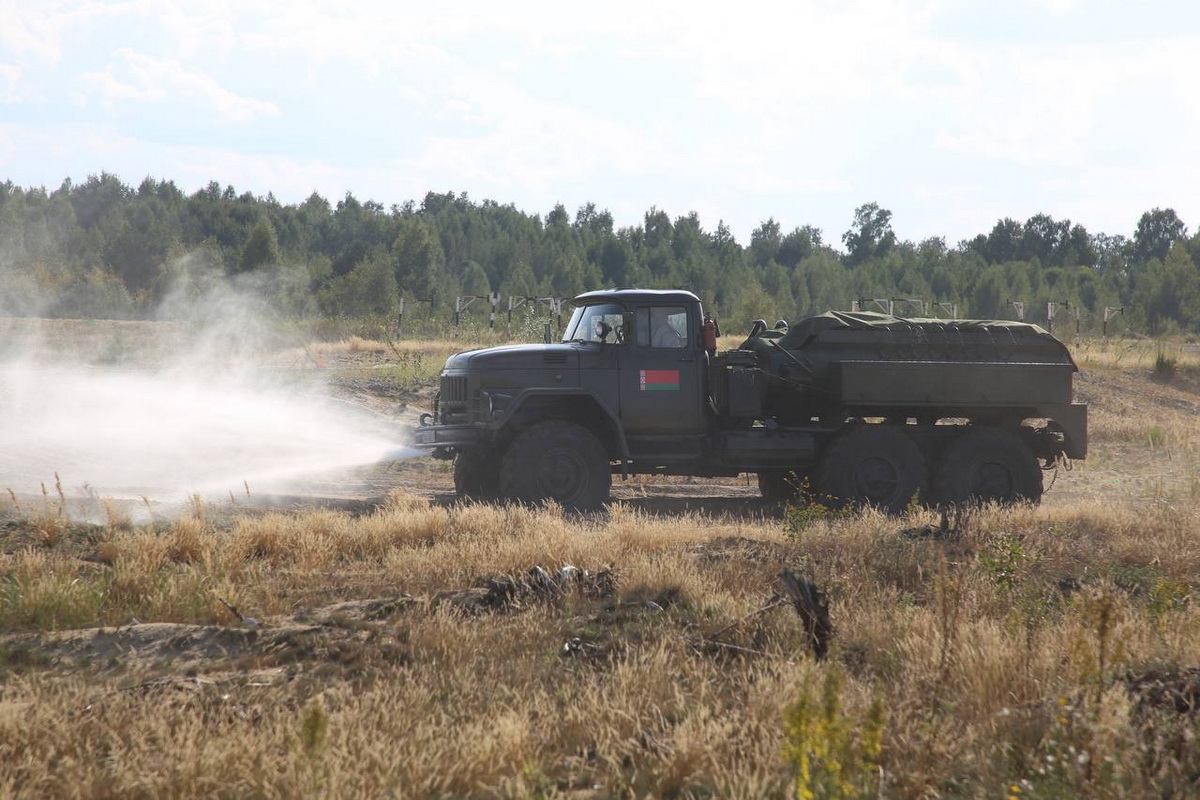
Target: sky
(950,114)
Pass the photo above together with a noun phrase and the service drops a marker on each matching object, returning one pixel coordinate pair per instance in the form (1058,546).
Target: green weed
(1004,561)
(810,509)
(1167,595)
(1156,437)
(835,754)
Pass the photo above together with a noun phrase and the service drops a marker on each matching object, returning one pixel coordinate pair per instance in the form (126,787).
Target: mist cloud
(212,398)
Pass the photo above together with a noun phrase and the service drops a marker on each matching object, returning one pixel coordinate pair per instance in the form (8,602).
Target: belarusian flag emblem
(659,380)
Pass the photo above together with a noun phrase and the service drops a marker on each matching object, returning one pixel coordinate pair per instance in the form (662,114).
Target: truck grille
(454,389)
(452,400)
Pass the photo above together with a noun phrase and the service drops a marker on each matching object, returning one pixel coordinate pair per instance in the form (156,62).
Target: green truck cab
(863,408)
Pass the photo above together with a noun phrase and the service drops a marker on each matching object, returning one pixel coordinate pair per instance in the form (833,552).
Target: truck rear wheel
(560,461)
(871,465)
(988,466)
(477,474)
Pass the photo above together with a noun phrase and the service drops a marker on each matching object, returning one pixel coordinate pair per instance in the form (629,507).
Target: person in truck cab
(662,332)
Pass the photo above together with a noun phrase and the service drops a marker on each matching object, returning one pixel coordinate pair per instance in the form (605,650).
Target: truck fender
(608,419)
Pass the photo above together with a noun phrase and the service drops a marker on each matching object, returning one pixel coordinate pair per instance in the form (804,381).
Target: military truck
(861,408)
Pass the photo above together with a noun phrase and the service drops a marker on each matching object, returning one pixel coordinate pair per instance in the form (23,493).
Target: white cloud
(10,76)
(757,110)
(82,149)
(1058,106)
(33,31)
(291,179)
(196,29)
(135,77)
(375,36)
(388,32)
(1059,7)
(525,141)
(24,33)
(803,60)
(7,148)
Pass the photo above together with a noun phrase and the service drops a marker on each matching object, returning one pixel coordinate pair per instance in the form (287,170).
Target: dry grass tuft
(358,344)
(1133,354)
(1054,649)
(983,656)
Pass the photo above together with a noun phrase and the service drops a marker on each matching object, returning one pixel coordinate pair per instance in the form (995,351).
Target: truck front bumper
(441,437)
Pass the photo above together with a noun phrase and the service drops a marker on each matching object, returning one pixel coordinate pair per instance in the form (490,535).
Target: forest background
(103,249)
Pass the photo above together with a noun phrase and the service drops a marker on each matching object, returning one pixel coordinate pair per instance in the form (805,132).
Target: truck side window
(597,323)
(661,326)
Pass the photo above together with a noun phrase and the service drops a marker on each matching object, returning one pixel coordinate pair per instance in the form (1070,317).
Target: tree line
(101,248)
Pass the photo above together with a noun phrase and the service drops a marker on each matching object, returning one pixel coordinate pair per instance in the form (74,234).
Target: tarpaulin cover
(801,331)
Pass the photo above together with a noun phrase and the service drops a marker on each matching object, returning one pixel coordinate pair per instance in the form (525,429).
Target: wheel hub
(561,474)
(876,479)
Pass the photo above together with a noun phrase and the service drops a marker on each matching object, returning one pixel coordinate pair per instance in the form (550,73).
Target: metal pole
(1050,306)
(1109,313)
(493,299)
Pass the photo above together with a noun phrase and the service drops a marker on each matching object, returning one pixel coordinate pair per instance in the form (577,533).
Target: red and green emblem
(652,380)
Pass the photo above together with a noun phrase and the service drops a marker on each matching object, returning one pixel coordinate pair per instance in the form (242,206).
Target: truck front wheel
(988,466)
(477,474)
(871,465)
(560,461)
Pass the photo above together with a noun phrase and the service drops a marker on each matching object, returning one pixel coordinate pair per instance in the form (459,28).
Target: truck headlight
(493,404)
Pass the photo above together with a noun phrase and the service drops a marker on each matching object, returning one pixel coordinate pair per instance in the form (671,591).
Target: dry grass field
(419,648)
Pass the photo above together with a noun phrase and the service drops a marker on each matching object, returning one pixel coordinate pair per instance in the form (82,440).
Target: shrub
(1165,364)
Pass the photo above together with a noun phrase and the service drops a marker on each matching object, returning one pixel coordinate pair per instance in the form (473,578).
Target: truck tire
(871,465)
(988,466)
(477,474)
(779,485)
(560,461)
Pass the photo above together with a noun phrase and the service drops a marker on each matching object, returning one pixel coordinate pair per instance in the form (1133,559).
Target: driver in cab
(662,332)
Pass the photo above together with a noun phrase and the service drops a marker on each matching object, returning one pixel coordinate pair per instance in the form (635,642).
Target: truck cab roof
(637,296)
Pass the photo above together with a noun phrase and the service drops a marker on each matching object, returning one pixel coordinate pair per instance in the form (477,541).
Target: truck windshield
(603,322)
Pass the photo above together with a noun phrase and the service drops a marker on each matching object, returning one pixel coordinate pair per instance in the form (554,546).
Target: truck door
(661,380)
